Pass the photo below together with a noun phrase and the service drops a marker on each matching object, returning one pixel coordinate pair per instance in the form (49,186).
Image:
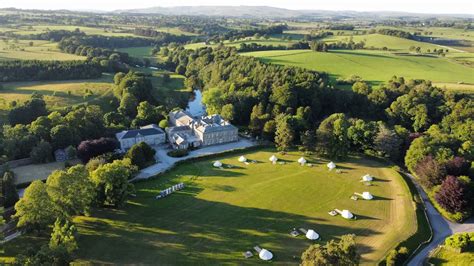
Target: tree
(343,252)
(42,153)
(35,211)
(388,143)
(147,114)
(141,155)
(430,172)
(362,134)
(91,148)
(62,136)
(128,105)
(458,166)
(228,112)
(397,257)
(308,140)
(71,191)
(63,236)
(332,136)
(28,111)
(10,195)
(111,182)
(284,134)
(163,123)
(452,195)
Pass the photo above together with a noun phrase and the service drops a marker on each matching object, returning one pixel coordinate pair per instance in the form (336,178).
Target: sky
(418,6)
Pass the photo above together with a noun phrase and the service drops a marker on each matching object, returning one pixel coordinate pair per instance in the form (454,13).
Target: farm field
(373,66)
(39,50)
(57,94)
(379,41)
(24,30)
(224,212)
(139,52)
(261,41)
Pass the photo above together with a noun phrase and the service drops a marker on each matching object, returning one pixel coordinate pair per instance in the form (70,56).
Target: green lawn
(271,41)
(223,212)
(58,94)
(445,256)
(373,66)
(379,41)
(35,29)
(40,50)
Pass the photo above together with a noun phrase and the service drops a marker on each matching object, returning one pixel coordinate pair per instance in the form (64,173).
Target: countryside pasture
(224,212)
(373,66)
(33,50)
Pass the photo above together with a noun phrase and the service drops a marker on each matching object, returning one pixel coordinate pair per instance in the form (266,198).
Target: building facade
(187,131)
(150,134)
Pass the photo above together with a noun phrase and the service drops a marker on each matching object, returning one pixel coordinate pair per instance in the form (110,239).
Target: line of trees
(29,70)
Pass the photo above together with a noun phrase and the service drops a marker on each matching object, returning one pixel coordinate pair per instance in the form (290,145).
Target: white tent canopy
(367,196)
(242,159)
(347,214)
(217,164)
(302,160)
(273,158)
(312,235)
(331,165)
(367,178)
(265,254)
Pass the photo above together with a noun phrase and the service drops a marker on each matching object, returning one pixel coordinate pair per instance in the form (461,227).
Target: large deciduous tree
(71,191)
(111,182)
(343,252)
(36,210)
(332,136)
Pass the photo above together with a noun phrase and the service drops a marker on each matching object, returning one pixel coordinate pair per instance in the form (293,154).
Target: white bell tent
(312,235)
(217,164)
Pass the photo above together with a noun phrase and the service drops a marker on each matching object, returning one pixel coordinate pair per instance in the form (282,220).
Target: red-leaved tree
(453,195)
(430,172)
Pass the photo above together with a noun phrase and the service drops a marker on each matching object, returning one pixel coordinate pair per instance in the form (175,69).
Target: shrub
(397,257)
(141,155)
(453,195)
(459,241)
(178,153)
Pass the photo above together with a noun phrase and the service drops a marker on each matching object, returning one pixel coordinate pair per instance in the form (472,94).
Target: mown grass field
(224,212)
(40,50)
(373,66)
(58,94)
(29,173)
(379,41)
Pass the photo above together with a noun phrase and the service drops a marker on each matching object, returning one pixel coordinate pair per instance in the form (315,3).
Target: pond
(195,106)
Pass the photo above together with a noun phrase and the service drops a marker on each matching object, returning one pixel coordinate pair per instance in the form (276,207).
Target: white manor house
(185,132)
(189,132)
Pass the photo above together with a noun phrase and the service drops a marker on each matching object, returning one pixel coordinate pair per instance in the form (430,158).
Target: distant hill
(269,12)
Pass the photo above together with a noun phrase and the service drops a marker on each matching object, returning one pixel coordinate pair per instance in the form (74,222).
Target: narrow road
(442,228)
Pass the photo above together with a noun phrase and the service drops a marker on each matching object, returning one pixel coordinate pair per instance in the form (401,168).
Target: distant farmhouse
(189,132)
(150,134)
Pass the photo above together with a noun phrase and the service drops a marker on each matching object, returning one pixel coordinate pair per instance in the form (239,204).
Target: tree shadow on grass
(204,231)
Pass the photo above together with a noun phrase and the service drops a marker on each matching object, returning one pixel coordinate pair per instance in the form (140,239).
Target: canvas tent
(217,164)
(367,178)
(367,196)
(301,160)
(312,235)
(242,159)
(331,165)
(347,214)
(265,254)
(273,159)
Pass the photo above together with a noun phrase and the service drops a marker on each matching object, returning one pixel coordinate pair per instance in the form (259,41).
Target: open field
(39,50)
(29,173)
(445,256)
(139,52)
(57,94)
(379,41)
(373,66)
(24,30)
(223,212)
(261,41)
